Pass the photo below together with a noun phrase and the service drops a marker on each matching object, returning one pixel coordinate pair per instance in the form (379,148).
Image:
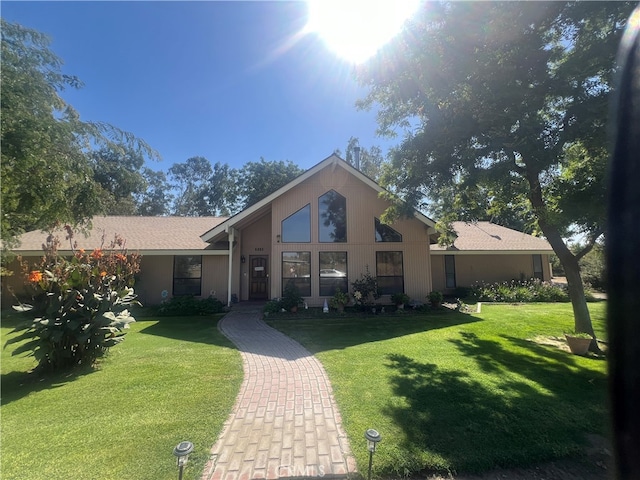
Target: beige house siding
(487,268)
(363,205)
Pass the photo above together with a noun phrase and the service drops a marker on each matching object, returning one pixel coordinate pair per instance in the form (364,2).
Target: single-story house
(321,231)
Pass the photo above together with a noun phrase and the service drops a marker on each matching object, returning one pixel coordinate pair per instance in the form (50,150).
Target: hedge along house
(321,231)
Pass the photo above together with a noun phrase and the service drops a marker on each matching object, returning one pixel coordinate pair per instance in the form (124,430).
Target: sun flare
(356,29)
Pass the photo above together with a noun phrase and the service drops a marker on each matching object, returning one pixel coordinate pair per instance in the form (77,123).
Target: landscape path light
(373,437)
(182,451)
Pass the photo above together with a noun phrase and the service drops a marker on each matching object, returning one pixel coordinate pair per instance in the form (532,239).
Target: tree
(371,159)
(156,198)
(203,189)
(190,179)
(507,97)
(257,180)
(120,177)
(46,174)
(222,190)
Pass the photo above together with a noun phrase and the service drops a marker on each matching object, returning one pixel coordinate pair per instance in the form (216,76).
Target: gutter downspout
(232,235)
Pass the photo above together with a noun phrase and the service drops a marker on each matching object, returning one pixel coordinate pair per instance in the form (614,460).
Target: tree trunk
(581,315)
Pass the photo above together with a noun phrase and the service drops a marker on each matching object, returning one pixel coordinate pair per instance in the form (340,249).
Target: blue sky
(211,79)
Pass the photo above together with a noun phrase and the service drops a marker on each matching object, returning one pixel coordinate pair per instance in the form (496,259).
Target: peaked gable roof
(487,237)
(331,161)
(144,234)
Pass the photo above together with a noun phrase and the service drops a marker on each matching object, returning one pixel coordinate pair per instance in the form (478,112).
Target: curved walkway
(285,422)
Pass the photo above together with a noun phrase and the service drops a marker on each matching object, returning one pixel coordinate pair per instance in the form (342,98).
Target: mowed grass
(170,380)
(451,392)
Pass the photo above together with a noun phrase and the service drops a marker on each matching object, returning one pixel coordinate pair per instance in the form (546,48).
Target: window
(384,233)
(296,268)
(296,228)
(332,217)
(333,273)
(450,271)
(537,267)
(187,275)
(389,272)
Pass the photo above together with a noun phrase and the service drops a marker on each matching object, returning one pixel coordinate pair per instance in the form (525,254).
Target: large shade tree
(47,177)
(505,101)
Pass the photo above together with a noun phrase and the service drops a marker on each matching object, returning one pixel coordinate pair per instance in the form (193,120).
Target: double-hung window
(296,270)
(187,275)
(389,272)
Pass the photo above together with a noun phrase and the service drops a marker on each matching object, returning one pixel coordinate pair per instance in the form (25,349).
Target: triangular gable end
(333,161)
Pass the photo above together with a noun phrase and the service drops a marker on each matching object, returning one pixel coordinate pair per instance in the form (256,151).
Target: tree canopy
(505,108)
(47,175)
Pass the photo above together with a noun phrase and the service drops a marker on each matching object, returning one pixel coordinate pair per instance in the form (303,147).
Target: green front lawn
(455,392)
(170,380)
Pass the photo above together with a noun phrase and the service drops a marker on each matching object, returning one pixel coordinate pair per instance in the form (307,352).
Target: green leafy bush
(291,296)
(400,298)
(365,289)
(79,303)
(188,305)
(519,291)
(272,306)
(339,300)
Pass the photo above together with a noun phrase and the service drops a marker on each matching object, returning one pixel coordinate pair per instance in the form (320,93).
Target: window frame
(322,209)
(538,274)
(287,278)
(344,288)
(186,289)
(450,274)
(389,290)
(377,225)
(283,236)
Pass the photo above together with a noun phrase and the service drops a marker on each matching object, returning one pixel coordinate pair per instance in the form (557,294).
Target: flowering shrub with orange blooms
(79,302)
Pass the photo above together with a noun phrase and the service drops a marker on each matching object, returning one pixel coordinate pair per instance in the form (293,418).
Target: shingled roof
(483,237)
(143,234)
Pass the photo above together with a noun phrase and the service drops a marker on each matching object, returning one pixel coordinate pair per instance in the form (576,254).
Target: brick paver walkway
(285,422)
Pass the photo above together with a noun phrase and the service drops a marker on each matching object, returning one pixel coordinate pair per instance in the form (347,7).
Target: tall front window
(450,271)
(296,269)
(296,228)
(537,267)
(187,275)
(389,272)
(333,273)
(332,217)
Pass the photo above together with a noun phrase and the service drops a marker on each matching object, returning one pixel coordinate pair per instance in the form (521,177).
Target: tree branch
(591,241)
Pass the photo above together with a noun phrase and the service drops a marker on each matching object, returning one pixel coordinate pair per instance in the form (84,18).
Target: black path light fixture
(373,437)
(182,451)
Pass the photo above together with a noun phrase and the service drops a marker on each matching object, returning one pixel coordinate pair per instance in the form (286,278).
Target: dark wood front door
(259,278)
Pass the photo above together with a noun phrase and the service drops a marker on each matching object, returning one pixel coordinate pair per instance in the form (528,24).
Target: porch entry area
(258,277)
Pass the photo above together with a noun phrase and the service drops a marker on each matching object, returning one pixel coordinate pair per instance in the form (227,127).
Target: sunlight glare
(356,29)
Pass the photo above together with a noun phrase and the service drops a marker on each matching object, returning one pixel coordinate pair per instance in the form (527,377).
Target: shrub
(533,290)
(435,297)
(291,296)
(272,306)
(400,298)
(188,305)
(365,289)
(339,299)
(79,302)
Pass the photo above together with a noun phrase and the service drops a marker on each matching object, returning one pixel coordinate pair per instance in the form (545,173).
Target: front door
(259,278)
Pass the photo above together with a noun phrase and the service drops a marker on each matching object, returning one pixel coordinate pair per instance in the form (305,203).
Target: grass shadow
(340,332)
(16,385)
(528,404)
(200,329)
